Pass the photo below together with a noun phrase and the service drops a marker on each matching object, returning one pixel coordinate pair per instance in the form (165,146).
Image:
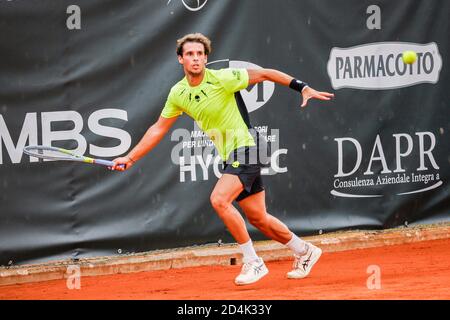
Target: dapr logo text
(419,174)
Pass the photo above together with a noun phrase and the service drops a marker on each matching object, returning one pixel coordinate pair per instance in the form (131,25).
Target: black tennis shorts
(246,163)
(250,176)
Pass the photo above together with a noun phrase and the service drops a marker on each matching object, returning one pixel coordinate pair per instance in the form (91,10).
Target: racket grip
(107,163)
(104,162)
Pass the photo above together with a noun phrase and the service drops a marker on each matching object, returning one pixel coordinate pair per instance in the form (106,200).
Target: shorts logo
(235,164)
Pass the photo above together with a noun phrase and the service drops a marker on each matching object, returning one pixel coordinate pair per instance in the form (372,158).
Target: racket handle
(104,162)
(107,163)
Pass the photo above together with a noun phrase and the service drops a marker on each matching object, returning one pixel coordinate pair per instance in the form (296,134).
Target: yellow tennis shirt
(212,104)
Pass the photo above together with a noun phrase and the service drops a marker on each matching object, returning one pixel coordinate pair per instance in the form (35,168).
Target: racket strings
(49,154)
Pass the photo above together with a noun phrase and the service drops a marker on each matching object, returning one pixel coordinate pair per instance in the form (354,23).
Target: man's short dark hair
(194,37)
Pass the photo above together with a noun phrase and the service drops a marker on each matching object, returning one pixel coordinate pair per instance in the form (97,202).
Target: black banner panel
(93,76)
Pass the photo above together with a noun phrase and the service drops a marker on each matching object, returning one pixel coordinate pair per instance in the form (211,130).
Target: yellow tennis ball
(409,57)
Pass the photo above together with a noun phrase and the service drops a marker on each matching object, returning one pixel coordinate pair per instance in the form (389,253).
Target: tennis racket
(53,153)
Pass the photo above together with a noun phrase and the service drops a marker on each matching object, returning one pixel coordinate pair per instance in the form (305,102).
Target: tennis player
(212,99)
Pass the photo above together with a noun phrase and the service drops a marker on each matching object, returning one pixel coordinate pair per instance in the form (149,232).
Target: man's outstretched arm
(260,75)
(150,139)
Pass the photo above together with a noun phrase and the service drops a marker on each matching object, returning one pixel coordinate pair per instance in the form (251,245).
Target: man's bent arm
(260,75)
(150,139)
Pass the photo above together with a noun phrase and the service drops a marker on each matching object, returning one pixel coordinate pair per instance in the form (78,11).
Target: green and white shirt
(212,104)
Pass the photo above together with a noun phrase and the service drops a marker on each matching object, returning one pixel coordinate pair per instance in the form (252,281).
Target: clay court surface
(419,270)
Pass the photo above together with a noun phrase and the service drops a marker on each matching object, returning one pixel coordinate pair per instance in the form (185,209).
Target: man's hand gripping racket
(122,163)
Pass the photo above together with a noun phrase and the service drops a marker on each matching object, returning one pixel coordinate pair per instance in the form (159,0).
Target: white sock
(297,245)
(248,251)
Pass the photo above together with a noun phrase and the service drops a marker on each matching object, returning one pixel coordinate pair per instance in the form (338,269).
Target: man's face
(194,58)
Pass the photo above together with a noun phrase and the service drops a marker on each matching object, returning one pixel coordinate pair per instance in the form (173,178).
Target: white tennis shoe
(251,272)
(304,263)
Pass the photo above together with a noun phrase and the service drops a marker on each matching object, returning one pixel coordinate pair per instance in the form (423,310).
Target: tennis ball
(409,57)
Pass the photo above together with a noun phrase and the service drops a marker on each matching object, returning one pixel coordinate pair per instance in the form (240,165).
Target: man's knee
(219,202)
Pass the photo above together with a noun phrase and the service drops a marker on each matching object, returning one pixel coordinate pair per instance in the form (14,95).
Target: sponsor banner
(407,179)
(379,66)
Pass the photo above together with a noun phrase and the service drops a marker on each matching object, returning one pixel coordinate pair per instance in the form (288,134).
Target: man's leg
(226,190)
(306,254)
(254,207)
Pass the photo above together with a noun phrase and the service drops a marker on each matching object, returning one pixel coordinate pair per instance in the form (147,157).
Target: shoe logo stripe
(306,262)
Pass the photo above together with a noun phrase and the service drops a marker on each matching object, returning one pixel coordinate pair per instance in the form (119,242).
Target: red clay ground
(419,270)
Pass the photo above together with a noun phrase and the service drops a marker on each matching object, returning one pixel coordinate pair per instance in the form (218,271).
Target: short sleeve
(170,109)
(232,79)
